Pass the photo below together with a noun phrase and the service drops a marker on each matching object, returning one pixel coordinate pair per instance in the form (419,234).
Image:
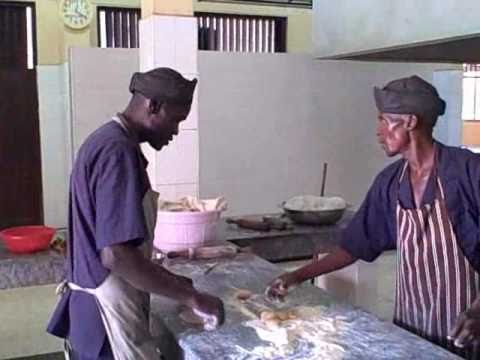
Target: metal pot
(317,217)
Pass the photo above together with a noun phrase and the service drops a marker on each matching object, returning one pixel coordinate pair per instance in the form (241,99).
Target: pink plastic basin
(182,230)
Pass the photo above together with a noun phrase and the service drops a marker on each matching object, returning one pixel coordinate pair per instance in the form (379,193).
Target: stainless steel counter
(336,330)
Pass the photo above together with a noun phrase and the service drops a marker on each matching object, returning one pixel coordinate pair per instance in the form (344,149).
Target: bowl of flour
(315,210)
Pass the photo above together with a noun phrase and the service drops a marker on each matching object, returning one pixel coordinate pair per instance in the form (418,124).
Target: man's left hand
(467,328)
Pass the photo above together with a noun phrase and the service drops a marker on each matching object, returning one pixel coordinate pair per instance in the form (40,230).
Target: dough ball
(243,295)
(278,316)
(282,315)
(292,315)
(272,323)
(188,316)
(268,315)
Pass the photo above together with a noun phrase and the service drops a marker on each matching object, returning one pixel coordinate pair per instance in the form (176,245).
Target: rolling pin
(277,223)
(206,252)
(250,224)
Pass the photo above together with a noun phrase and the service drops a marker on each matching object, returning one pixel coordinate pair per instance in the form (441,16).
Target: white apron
(124,309)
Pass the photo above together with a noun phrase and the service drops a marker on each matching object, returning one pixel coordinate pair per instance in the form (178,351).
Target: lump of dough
(198,319)
(278,316)
(292,315)
(268,315)
(272,324)
(243,295)
(188,316)
(282,315)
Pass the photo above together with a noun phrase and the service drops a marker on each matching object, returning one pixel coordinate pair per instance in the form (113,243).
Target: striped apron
(435,281)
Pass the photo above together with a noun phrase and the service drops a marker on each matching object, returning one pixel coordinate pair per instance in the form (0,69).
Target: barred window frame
(290,3)
(216,31)
(471,92)
(114,27)
(241,33)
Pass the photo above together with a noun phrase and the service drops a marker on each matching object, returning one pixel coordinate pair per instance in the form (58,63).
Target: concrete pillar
(168,38)
(167,7)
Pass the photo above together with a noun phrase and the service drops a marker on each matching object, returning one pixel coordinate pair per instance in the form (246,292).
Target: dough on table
(267,315)
(243,294)
(273,319)
(188,316)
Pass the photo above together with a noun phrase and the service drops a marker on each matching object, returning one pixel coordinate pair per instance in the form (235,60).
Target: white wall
(99,87)
(53,99)
(268,122)
(345,26)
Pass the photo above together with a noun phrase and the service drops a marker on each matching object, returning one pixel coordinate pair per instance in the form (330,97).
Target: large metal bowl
(318,217)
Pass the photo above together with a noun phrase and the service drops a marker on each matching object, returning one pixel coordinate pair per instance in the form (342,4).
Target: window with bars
(241,33)
(18,35)
(471,92)
(118,27)
(303,3)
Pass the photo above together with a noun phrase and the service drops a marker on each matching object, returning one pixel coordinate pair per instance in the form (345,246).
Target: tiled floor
(55,356)
(24,314)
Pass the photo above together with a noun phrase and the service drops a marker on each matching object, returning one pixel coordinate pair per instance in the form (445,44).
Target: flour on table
(309,335)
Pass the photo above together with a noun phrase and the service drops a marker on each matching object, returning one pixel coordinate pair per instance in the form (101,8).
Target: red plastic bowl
(27,239)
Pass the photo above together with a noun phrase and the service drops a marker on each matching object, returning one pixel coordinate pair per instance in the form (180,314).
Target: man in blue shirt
(103,311)
(427,206)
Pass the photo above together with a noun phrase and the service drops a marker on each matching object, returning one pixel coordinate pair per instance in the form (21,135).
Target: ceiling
(464,50)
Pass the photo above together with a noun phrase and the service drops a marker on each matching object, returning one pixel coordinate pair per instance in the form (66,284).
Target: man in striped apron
(427,206)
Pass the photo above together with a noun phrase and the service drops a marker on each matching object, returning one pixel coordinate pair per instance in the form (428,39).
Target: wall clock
(76,14)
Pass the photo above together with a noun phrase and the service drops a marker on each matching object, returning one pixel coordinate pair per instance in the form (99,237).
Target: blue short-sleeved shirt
(373,228)
(107,186)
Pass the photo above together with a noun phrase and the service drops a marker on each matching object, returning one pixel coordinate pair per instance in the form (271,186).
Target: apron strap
(61,288)
(402,174)
(67,350)
(64,285)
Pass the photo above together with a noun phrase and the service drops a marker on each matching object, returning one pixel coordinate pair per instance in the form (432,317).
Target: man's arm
(336,260)
(467,327)
(129,263)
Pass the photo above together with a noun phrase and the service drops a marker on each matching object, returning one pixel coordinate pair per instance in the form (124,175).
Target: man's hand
(185,281)
(467,328)
(337,259)
(210,307)
(279,287)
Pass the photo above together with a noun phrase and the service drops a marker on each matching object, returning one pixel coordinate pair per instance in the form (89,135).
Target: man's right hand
(185,281)
(278,288)
(337,259)
(210,305)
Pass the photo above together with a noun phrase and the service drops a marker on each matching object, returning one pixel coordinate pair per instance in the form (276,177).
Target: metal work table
(356,333)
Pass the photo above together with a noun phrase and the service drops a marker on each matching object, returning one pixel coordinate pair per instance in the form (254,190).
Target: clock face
(76,14)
